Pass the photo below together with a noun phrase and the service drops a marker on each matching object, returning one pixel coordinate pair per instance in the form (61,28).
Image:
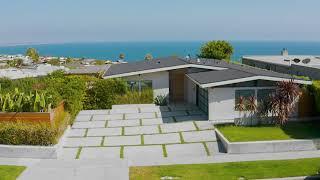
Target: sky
(59,21)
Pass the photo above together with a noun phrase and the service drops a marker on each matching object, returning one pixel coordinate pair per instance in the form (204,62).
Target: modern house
(299,65)
(212,85)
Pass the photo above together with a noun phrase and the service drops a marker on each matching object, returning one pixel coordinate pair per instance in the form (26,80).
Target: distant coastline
(137,50)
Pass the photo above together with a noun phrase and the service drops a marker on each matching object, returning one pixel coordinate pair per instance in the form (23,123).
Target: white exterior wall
(160,82)
(222,103)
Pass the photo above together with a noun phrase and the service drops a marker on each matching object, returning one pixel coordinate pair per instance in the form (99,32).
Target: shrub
(161,100)
(102,93)
(18,133)
(29,133)
(216,50)
(134,97)
(315,88)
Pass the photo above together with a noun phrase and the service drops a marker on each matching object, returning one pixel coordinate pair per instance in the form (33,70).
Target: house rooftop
(288,60)
(218,71)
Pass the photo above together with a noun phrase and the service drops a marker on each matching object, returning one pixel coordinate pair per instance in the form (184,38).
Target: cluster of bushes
(27,133)
(78,92)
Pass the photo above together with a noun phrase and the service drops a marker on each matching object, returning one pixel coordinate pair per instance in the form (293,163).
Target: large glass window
(134,85)
(203,99)
(246,93)
(264,94)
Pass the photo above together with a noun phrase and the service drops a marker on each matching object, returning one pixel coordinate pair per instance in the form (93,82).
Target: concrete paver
(141,130)
(91,112)
(100,152)
(177,127)
(153,121)
(186,150)
(76,132)
(68,153)
(84,141)
(107,117)
(104,132)
(162,138)
(122,140)
(123,123)
(83,118)
(204,125)
(134,152)
(89,124)
(199,136)
(124,110)
(140,116)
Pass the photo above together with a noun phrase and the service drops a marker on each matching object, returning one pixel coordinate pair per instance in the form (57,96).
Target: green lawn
(248,170)
(10,172)
(294,130)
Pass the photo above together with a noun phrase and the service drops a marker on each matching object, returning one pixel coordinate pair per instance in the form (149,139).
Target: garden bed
(269,138)
(29,151)
(46,117)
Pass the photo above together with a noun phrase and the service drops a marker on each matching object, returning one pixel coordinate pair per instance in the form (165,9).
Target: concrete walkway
(103,144)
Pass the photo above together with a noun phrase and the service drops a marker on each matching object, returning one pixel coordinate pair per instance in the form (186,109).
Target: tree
(33,54)
(282,102)
(221,50)
(121,56)
(148,57)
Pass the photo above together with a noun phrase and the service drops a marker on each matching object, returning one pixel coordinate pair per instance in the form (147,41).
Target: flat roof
(314,61)
(217,70)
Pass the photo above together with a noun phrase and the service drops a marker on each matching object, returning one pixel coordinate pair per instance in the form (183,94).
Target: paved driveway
(141,131)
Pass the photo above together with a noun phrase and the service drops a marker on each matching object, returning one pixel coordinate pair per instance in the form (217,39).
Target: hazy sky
(45,21)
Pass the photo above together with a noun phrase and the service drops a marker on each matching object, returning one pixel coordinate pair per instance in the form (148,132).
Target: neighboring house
(299,65)
(212,85)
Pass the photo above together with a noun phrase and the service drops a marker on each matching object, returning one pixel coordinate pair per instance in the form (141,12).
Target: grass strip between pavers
(86,132)
(102,142)
(124,117)
(142,139)
(164,149)
(206,148)
(106,124)
(195,125)
(140,121)
(230,170)
(78,153)
(181,138)
(122,131)
(159,127)
(122,152)
(156,114)
(91,118)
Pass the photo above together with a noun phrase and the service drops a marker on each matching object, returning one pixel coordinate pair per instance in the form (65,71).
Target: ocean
(135,51)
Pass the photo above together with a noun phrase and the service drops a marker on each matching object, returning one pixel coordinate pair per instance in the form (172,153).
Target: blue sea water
(137,50)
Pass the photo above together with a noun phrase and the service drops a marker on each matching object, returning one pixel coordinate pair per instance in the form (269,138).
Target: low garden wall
(268,146)
(39,152)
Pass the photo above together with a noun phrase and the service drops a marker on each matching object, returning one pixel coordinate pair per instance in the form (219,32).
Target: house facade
(212,85)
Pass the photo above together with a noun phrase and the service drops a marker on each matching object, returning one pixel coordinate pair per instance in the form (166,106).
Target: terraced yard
(141,131)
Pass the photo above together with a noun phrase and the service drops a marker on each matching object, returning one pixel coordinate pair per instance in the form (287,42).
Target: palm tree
(121,56)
